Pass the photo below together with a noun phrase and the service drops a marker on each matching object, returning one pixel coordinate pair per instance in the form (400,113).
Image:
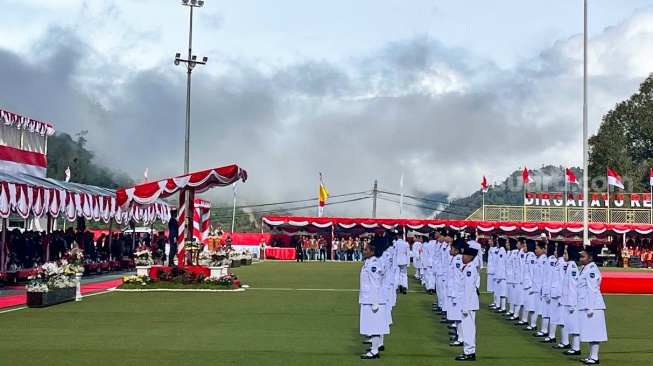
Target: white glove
(375,307)
(547,298)
(531,291)
(572,309)
(465,313)
(590,313)
(454,301)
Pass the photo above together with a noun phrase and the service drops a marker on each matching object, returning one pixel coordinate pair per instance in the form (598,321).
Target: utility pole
(375,193)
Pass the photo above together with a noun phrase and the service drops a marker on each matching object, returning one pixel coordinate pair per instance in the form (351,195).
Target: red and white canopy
(290,224)
(20,122)
(148,193)
(34,196)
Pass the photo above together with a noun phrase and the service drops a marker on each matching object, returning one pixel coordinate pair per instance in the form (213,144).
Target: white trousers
(403,276)
(469,332)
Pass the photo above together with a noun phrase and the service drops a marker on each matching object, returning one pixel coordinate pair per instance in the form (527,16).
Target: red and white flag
(527,177)
(651,177)
(484,185)
(145,175)
(67,174)
(571,178)
(614,179)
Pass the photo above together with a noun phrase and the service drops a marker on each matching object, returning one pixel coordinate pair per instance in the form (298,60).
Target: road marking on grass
(14,309)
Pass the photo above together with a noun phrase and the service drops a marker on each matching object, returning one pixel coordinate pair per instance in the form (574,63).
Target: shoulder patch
(522,255)
(373,269)
(500,255)
(573,273)
(469,274)
(532,261)
(457,265)
(552,264)
(592,275)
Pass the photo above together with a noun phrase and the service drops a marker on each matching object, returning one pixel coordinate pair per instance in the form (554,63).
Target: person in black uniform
(299,250)
(173,233)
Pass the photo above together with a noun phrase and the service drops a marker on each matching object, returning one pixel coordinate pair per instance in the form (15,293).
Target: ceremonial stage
(627,282)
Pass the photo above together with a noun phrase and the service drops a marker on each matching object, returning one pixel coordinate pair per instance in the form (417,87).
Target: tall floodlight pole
(190,62)
(586,240)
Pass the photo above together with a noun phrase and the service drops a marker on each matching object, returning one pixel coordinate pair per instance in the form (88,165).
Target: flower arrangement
(246,254)
(213,258)
(52,275)
(235,255)
(143,256)
(137,280)
(75,259)
(228,280)
(193,245)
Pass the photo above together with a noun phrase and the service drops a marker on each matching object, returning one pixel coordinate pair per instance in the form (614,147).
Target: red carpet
(17,300)
(627,283)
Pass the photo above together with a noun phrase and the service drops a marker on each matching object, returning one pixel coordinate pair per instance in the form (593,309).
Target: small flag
(145,175)
(651,177)
(614,179)
(401,196)
(571,178)
(323,195)
(67,174)
(484,185)
(234,188)
(527,177)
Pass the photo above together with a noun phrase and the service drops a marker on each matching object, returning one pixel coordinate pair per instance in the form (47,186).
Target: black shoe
(492,305)
(500,311)
(509,314)
(571,352)
(455,344)
(453,338)
(530,328)
(367,341)
(591,361)
(521,323)
(369,356)
(562,346)
(548,340)
(512,319)
(440,312)
(451,326)
(540,335)
(381,348)
(471,357)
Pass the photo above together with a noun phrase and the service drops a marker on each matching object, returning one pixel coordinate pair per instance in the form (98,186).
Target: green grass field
(294,314)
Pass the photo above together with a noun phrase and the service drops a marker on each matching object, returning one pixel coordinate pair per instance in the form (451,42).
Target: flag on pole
(234,188)
(67,174)
(614,179)
(652,177)
(527,177)
(323,194)
(571,178)
(145,175)
(484,185)
(401,196)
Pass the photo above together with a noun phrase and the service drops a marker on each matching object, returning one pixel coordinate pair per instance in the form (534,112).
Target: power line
(425,199)
(422,207)
(290,202)
(291,208)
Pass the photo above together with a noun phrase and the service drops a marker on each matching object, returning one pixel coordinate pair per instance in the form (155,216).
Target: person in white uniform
(470,304)
(538,277)
(455,288)
(491,253)
(416,254)
(372,299)
(427,261)
(518,288)
(510,276)
(500,275)
(402,249)
(527,281)
(569,301)
(555,308)
(591,306)
(547,273)
(478,260)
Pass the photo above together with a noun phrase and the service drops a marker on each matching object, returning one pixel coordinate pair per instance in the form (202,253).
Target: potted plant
(52,283)
(143,260)
(234,256)
(75,259)
(246,256)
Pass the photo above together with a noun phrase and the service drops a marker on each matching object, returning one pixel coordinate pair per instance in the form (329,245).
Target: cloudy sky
(443,92)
